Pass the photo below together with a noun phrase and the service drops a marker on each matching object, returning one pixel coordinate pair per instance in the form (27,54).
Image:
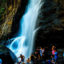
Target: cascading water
(23,44)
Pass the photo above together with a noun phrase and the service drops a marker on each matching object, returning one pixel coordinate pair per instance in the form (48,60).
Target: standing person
(21,59)
(52,59)
(53,50)
(0,61)
(56,56)
(42,51)
(32,59)
(53,54)
(35,57)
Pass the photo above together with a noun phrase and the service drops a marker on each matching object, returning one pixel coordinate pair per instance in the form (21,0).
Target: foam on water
(23,44)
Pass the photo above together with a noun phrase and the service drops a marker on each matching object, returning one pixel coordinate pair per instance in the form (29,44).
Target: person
(28,61)
(35,57)
(32,58)
(0,61)
(21,58)
(56,56)
(42,51)
(53,50)
(52,59)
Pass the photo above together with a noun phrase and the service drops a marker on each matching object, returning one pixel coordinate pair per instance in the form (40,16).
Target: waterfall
(23,44)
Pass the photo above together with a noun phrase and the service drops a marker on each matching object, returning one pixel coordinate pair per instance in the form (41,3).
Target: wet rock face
(51,16)
(51,20)
(7,12)
(6,55)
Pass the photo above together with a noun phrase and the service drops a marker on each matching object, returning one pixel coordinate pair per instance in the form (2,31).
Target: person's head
(28,60)
(53,47)
(20,54)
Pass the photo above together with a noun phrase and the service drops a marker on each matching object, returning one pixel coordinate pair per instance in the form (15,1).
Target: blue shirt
(0,60)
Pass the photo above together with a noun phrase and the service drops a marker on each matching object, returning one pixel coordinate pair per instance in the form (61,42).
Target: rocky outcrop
(51,16)
(7,12)
(51,20)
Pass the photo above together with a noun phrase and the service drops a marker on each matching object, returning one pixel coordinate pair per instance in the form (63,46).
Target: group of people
(42,56)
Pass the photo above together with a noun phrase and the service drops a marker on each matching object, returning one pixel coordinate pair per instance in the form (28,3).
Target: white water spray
(23,44)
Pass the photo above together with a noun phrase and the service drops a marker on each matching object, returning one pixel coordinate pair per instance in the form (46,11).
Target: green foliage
(4,1)
(2,10)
